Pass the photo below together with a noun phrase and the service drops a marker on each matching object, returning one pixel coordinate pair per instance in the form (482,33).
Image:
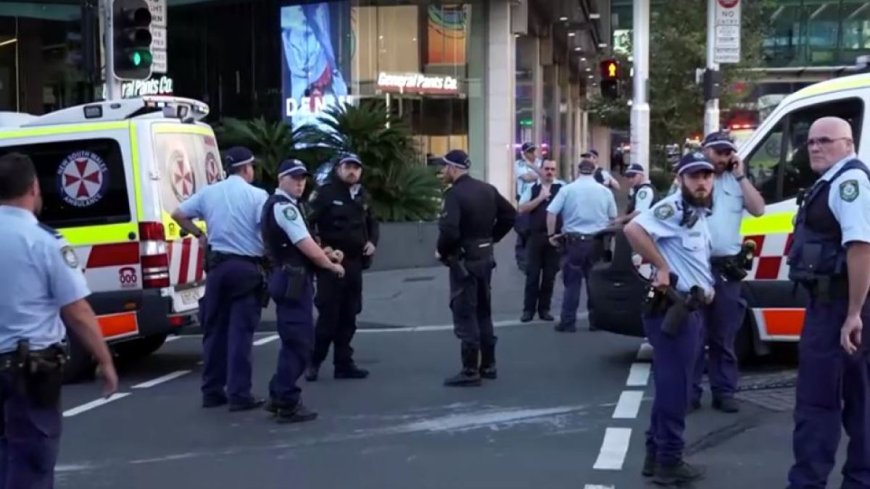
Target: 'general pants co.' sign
(417,83)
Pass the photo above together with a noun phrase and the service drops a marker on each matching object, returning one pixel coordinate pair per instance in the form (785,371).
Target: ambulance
(777,161)
(110,174)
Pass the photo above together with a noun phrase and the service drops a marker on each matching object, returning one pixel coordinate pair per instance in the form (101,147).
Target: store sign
(311,106)
(417,83)
(138,88)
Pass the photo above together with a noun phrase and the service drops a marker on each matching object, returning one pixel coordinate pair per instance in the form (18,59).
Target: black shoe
(249,405)
(526,317)
(311,373)
(649,465)
(680,473)
(298,414)
(694,405)
(546,316)
(212,402)
(350,372)
(726,405)
(470,373)
(565,329)
(487,362)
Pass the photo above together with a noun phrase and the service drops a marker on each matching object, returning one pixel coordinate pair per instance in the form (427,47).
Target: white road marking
(628,405)
(638,376)
(443,327)
(94,404)
(161,379)
(645,353)
(268,339)
(597,486)
(173,338)
(613,449)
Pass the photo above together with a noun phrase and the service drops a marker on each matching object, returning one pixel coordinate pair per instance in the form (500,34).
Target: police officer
(674,237)
(586,208)
(641,194)
(732,193)
(601,175)
(293,256)
(233,291)
(474,217)
(528,172)
(343,220)
(542,258)
(830,257)
(44,289)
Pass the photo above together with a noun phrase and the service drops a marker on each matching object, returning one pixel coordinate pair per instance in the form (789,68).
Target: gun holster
(456,263)
(296,281)
(39,373)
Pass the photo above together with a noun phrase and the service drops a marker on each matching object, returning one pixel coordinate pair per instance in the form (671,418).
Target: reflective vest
(632,201)
(538,216)
(279,249)
(816,249)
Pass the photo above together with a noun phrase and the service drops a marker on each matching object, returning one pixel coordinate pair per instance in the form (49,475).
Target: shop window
(780,165)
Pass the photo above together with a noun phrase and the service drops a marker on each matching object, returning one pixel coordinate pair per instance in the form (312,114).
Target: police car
(110,173)
(777,162)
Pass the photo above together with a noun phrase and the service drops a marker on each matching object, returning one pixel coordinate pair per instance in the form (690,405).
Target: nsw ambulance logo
(212,170)
(82,178)
(182,175)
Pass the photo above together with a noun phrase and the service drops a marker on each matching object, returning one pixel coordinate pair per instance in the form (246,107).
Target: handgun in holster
(40,373)
(681,306)
(455,263)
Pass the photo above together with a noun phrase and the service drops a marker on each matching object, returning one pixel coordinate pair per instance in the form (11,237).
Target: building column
(500,95)
(570,141)
(538,94)
(556,114)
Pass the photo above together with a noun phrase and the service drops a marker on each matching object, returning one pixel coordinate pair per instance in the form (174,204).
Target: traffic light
(131,29)
(610,79)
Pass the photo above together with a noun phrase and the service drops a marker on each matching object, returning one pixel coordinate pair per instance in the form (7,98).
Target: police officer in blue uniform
(674,236)
(294,256)
(234,282)
(641,194)
(342,219)
(542,258)
(732,193)
(586,208)
(44,288)
(474,217)
(830,258)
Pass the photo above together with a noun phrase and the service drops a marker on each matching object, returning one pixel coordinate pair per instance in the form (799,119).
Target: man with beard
(343,220)
(675,238)
(45,294)
(732,192)
(830,258)
(473,218)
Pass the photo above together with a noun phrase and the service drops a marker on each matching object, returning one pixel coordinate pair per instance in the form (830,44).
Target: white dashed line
(613,449)
(268,339)
(628,405)
(161,379)
(94,404)
(173,338)
(597,486)
(638,376)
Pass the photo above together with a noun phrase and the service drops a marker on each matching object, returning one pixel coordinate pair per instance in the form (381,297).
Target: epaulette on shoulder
(50,230)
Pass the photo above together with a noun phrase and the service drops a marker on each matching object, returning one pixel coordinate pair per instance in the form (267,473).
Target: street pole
(711,107)
(113,90)
(639,103)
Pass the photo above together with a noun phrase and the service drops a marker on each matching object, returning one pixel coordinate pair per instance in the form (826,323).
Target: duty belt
(476,249)
(572,237)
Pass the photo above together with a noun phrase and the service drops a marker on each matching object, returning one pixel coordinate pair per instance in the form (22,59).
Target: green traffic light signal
(131,39)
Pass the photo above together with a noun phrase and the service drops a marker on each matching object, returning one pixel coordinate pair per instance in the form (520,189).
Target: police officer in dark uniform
(293,256)
(44,288)
(542,258)
(830,258)
(474,217)
(343,220)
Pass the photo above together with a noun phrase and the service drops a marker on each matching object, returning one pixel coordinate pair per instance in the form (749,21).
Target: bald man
(830,257)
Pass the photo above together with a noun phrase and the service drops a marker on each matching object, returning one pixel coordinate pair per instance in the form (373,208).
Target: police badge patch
(290,213)
(641,194)
(69,257)
(664,211)
(849,190)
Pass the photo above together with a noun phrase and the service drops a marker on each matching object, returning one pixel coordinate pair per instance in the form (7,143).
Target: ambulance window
(82,182)
(187,162)
(763,163)
(797,173)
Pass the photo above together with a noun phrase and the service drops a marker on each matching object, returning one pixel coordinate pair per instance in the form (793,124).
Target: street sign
(727,32)
(158,35)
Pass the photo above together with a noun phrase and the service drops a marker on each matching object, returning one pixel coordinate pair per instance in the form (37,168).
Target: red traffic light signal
(609,69)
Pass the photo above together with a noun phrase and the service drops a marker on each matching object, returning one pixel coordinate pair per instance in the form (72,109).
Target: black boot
(487,362)
(469,375)
(677,474)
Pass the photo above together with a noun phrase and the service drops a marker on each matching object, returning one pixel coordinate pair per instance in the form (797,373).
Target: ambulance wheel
(80,365)
(140,347)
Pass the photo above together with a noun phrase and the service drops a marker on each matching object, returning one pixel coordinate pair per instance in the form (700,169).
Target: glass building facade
(276,58)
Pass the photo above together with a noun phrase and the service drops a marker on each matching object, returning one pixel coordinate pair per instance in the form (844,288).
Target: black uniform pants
(542,265)
(471,302)
(338,302)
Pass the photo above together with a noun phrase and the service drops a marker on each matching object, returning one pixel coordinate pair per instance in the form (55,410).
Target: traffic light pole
(113,90)
(711,105)
(640,105)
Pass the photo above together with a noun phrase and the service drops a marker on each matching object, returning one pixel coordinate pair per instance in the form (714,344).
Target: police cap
(457,158)
(238,156)
(349,159)
(634,169)
(293,168)
(528,146)
(586,166)
(694,162)
(719,140)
